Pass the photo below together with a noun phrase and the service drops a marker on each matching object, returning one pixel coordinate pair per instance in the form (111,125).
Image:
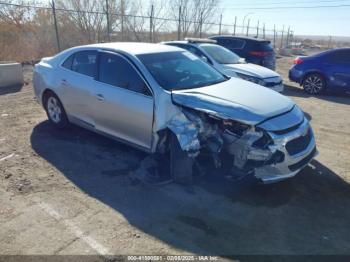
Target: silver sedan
(163,99)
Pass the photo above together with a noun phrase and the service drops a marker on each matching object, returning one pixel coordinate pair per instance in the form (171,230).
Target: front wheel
(55,111)
(314,84)
(181,165)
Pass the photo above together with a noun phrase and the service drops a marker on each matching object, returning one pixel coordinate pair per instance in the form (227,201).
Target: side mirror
(204,59)
(242,60)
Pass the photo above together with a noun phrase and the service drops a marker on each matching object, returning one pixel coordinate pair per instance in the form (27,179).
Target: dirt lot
(69,192)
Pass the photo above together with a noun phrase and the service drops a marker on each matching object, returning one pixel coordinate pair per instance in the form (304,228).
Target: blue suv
(325,71)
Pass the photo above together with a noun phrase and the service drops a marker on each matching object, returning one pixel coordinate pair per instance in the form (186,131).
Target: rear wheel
(314,84)
(55,111)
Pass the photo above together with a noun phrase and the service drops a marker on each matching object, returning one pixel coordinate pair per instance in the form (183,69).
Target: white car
(229,63)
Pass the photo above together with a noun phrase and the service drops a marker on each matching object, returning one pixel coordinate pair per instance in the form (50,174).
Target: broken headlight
(252,79)
(235,127)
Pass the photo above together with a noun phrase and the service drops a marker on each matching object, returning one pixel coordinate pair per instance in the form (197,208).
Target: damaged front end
(274,150)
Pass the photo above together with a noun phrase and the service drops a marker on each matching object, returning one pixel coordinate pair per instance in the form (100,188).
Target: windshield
(180,70)
(221,54)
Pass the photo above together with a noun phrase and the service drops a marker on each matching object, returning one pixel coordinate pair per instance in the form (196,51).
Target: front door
(123,103)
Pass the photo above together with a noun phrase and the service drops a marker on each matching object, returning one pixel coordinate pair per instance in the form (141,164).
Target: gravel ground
(70,192)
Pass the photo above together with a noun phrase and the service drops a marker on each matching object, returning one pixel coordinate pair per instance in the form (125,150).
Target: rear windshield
(263,46)
(180,70)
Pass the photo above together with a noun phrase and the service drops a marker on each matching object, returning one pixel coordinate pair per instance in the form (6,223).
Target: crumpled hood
(235,99)
(252,70)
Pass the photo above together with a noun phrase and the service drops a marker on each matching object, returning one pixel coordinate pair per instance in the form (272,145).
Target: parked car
(325,71)
(254,50)
(229,63)
(161,98)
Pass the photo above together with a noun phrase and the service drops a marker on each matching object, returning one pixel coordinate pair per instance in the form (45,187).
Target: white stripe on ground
(92,243)
(7,157)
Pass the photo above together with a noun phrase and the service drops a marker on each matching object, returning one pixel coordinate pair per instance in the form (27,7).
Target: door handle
(100,97)
(64,82)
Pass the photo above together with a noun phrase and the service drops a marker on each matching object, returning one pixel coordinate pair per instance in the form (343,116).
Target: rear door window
(68,63)
(84,62)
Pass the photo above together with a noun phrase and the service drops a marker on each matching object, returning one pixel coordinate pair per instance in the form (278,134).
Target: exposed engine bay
(251,149)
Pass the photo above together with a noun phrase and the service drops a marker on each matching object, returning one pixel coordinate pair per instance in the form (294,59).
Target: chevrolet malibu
(163,99)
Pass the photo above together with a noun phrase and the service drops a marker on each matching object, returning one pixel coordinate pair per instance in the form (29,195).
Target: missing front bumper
(273,174)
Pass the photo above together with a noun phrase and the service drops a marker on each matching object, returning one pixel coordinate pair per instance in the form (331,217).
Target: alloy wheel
(313,84)
(54,109)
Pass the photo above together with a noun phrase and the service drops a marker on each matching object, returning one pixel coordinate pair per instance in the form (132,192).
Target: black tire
(55,111)
(314,84)
(181,165)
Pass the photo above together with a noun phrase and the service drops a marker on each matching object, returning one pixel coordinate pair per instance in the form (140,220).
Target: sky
(327,21)
(303,20)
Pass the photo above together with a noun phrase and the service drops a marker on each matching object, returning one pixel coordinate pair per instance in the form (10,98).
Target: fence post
(234,27)
(179,25)
(151,25)
(108,25)
(220,24)
(282,38)
(287,44)
(264,31)
(122,18)
(274,36)
(56,27)
(257,30)
(200,25)
(248,27)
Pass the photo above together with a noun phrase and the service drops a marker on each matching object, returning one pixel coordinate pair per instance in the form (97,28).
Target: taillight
(259,53)
(297,61)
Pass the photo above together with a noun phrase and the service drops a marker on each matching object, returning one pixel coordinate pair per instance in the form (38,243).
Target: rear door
(338,66)
(123,102)
(76,79)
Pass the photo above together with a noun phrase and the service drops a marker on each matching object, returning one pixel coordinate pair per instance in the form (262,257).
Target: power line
(287,7)
(294,2)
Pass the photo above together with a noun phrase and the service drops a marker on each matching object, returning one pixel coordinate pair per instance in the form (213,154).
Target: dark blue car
(325,71)
(254,50)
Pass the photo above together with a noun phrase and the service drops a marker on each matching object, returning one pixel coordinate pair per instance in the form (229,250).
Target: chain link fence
(29,32)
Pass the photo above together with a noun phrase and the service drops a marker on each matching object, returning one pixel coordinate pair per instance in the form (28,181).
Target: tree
(194,14)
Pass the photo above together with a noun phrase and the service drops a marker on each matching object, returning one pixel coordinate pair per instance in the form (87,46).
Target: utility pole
(220,24)
(257,30)
(287,44)
(56,27)
(108,25)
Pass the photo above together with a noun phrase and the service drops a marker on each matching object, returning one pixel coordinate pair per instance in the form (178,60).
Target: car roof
(133,47)
(241,37)
(330,51)
(186,42)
